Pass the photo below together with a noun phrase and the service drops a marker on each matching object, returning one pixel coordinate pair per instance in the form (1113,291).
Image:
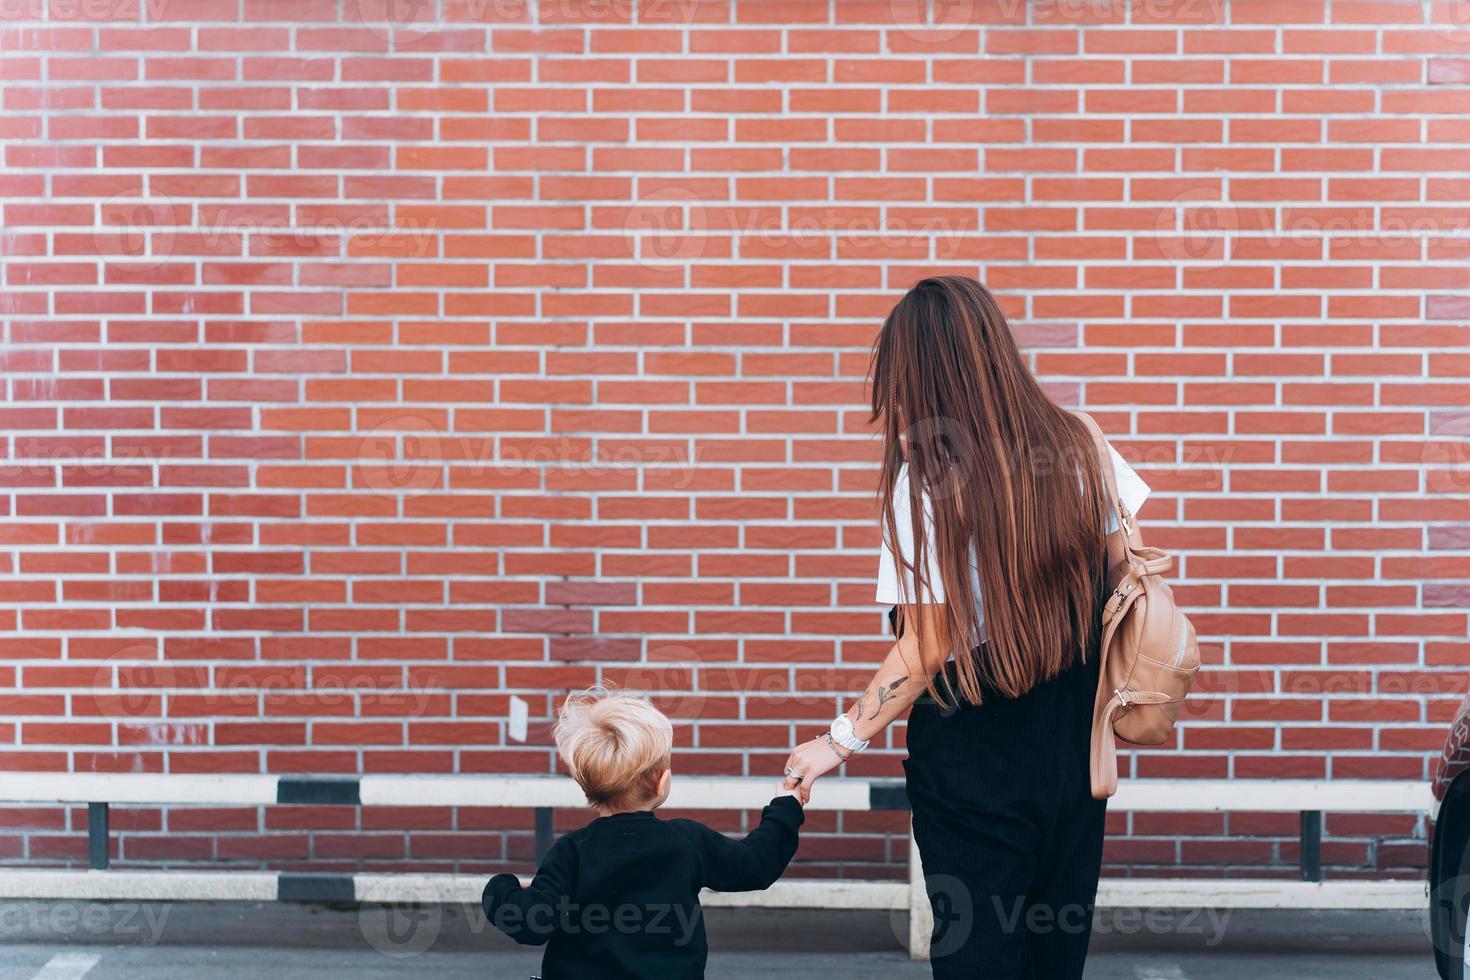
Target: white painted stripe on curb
(143,886)
(428,889)
(796,893)
(1246,893)
(68,966)
(1175,893)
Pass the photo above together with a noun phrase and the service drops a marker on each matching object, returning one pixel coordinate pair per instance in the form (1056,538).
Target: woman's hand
(810,760)
(897,683)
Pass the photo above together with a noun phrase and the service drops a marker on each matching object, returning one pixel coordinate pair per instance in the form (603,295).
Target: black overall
(1009,834)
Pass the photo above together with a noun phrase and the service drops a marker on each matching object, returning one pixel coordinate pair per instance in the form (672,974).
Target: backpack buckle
(1122,695)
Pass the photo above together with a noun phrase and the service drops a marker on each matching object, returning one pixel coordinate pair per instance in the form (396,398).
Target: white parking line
(68,966)
(1159,973)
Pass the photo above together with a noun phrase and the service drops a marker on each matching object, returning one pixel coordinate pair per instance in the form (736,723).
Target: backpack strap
(1103,752)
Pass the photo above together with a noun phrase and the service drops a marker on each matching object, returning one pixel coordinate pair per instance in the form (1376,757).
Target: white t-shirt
(1130,487)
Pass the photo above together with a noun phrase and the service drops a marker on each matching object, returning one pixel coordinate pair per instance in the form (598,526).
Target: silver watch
(842,734)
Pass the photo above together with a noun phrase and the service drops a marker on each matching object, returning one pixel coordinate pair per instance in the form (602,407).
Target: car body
(1449,850)
(1455,759)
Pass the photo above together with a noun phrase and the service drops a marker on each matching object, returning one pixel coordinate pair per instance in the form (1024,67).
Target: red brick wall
(360,373)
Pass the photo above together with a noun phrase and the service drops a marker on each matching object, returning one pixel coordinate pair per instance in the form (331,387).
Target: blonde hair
(616,745)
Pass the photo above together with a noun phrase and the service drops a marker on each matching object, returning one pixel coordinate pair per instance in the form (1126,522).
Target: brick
(293,427)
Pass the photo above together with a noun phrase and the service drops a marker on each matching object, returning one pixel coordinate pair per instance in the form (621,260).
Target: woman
(1015,517)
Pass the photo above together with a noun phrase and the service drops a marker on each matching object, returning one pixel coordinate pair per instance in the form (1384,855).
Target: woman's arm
(896,685)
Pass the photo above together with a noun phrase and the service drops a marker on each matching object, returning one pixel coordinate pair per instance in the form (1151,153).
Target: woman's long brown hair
(1000,462)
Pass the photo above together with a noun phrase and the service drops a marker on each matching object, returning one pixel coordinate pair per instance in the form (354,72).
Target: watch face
(842,727)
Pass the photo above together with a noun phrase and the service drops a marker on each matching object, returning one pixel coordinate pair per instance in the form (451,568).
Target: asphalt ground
(229,941)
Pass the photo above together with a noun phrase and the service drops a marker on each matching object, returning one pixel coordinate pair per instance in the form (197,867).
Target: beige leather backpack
(1149,651)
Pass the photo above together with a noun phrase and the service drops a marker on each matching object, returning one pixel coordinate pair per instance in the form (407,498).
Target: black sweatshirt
(619,898)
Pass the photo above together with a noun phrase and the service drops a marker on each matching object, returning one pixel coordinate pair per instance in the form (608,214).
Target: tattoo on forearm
(885,694)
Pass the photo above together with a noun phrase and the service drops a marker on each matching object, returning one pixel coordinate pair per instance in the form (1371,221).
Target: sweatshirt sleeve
(757,860)
(531,915)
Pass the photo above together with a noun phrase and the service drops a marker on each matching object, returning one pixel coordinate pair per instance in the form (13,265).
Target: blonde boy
(619,898)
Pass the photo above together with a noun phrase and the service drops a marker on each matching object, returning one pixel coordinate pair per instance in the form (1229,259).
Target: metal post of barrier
(98,852)
(1311,846)
(544,832)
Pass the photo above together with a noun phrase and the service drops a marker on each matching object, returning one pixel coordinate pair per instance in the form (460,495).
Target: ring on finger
(794,774)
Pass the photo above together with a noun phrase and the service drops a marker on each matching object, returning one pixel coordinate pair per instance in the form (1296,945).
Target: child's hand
(781,790)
